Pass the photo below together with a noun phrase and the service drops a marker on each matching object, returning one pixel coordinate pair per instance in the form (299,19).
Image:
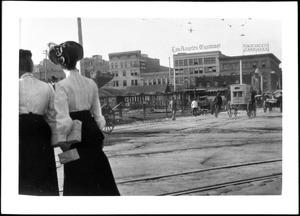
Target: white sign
(195,48)
(255,47)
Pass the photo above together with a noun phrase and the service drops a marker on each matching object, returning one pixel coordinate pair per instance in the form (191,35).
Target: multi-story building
(46,70)
(188,66)
(95,65)
(214,69)
(267,65)
(127,68)
(156,78)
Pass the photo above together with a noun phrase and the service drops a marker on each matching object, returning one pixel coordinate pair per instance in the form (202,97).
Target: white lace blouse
(37,97)
(72,94)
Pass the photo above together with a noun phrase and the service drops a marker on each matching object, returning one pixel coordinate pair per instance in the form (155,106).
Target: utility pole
(81,43)
(46,53)
(241,73)
(169,70)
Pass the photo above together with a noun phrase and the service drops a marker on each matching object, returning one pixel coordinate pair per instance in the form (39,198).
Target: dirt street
(165,147)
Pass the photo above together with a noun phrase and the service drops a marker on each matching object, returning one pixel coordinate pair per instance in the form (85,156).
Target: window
(200,61)
(186,71)
(210,69)
(116,83)
(176,72)
(196,61)
(191,70)
(185,62)
(196,70)
(116,64)
(176,63)
(181,71)
(154,81)
(116,73)
(124,83)
(112,65)
(163,81)
(159,81)
(211,60)
(135,73)
(176,80)
(124,72)
(131,63)
(201,70)
(237,94)
(263,64)
(191,61)
(180,62)
(254,64)
(145,82)
(132,82)
(181,80)
(136,82)
(121,64)
(131,72)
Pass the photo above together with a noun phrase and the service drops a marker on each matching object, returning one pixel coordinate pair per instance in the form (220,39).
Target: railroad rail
(222,185)
(197,171)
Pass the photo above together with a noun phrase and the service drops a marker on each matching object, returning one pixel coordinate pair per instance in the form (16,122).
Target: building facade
(156,78)
(214,69)
(46,70)
(266,65)
(95,65)
(128,67)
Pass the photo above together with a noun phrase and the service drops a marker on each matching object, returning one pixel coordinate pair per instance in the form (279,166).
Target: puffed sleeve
(96,108)
(50,115)
(63,119)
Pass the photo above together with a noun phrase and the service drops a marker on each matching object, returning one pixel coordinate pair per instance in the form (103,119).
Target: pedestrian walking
(194,106)
(37,168)
(76,98)
(173,107)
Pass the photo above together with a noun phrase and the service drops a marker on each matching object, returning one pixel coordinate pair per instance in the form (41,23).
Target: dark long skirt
(37,168)
(91,175)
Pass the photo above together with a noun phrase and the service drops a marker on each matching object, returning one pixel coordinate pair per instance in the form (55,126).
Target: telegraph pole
(81,43)
(169,70)
(46,53)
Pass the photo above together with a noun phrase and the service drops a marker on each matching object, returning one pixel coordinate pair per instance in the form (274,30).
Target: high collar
(25,75)
(71,72)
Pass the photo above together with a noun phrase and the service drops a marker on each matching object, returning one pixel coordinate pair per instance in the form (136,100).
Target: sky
(154,28)
(156,37)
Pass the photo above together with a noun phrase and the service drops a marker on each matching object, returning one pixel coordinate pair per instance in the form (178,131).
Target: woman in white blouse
(37,168)
(76,97)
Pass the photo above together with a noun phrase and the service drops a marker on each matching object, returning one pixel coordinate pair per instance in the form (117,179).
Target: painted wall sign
(255,47)
(195,48)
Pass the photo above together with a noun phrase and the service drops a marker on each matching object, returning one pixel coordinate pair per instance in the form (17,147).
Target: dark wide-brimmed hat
(66,54)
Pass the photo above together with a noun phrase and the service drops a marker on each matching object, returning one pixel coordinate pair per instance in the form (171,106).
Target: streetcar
(240,96)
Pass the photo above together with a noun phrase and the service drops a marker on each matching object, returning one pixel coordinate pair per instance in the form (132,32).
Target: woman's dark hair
(25,61)
(66,54)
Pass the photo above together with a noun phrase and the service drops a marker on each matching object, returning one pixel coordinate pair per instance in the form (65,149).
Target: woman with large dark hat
(76,97)
(37,168)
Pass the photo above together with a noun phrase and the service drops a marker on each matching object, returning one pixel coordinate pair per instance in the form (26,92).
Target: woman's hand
(64,146)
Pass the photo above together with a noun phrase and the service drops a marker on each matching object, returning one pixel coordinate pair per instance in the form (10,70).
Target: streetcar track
(183,149)
(222,185)
(198,171)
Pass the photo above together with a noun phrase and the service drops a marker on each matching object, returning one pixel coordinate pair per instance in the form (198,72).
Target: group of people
(45,110)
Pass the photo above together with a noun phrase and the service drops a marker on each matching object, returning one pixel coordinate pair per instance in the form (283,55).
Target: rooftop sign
(195,48)
(255,47)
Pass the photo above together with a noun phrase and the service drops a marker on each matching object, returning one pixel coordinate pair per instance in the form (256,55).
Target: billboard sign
(255,47)
(195,48)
